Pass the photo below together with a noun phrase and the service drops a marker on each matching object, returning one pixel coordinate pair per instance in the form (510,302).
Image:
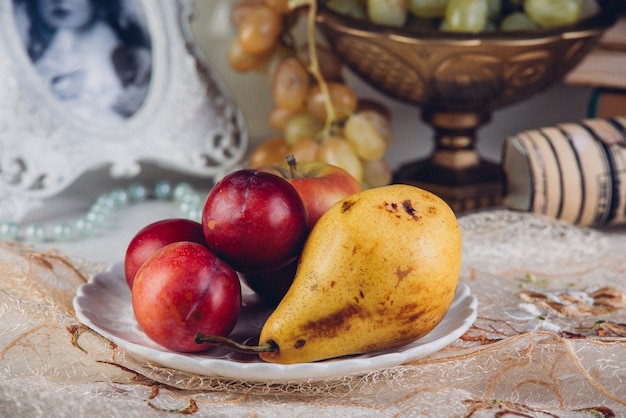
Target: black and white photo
(94,55)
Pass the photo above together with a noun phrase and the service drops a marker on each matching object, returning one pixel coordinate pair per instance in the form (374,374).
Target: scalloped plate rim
(457,321)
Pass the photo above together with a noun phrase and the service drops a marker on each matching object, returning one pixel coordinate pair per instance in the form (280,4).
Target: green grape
(381,122)
(260,29)
(466,15)
(366,140)
(352,8)
(343,99)
(291,84)
(337,151)
(376,173)
(301,126)
(427,8)
(387,12)
(517,21)
(278,118)
(243,61)
(551,13)
(305,150)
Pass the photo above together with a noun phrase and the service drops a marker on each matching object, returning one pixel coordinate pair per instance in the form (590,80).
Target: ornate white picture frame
(178,115)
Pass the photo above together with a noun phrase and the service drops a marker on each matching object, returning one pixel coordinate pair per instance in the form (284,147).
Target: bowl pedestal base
(455,171)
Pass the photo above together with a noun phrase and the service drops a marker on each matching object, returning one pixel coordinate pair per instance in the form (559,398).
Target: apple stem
(291,161)
(268,347)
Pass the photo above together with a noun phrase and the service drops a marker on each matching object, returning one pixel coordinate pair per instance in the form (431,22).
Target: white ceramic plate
(104,304)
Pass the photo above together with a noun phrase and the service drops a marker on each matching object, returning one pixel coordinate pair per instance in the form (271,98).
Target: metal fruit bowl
(458,79)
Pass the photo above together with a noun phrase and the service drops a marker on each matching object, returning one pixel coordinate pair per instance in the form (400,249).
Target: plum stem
(291,162)
(268,347)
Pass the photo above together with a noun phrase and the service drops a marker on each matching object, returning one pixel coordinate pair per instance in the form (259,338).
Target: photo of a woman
(94,55)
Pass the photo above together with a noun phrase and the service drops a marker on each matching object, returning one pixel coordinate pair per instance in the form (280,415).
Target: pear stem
(291,161)
(268,347)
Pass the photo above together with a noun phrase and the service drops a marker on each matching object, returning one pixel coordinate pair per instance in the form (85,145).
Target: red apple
(272,286)
(182,290)
(155,236)
(255,221)
(319,185)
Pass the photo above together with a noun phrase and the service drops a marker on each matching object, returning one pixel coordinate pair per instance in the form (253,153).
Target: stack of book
(604,69)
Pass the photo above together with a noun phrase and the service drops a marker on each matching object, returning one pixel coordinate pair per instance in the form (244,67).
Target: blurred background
(213,32)
(413,138)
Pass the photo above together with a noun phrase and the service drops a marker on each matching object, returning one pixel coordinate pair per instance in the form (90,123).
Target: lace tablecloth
(549,341)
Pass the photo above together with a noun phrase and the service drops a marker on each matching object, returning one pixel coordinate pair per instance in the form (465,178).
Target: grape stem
(268,347)
(314,67)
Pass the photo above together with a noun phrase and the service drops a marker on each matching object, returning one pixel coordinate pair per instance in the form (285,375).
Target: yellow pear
(379,270)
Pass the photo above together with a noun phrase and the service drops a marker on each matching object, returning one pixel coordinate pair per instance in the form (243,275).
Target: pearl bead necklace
(188,201)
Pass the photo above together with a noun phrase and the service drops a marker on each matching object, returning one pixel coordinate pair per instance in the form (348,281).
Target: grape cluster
(317,115)
(467,15)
